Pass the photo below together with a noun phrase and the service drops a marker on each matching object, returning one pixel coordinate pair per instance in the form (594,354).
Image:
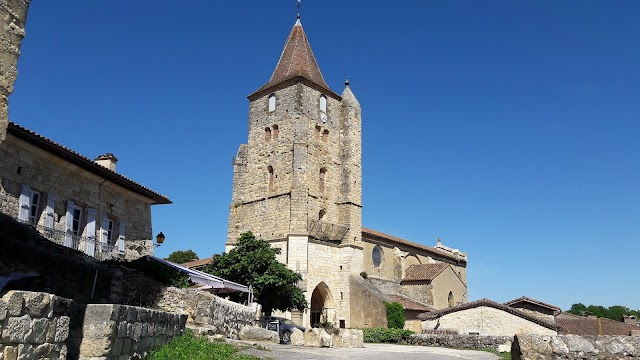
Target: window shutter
(91,232)
(104,240)
(68,237)
(50,219)
(121,238)
(25,204)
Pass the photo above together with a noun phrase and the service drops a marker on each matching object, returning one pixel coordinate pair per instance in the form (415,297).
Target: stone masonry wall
(472,342)
(207,312)
(575,347)
(33,325)
(14,15)
(57,178)
(487,321)
(115,332)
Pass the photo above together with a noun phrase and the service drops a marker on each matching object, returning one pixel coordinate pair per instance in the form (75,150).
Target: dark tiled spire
(297,60)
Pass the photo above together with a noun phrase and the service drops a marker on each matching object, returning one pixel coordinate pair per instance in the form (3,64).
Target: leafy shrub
(190,347)
(395,315)
(364,275)
(382,335)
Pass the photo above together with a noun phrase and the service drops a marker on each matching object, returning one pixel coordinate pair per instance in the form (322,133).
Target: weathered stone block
(258,334)
(10,353)
(36,304)
(95,347)
(4,309)
(62,329)
(26,352)
(357,338)
(14,300)
(312,338)
(117,347)
(297,337)
(51,331)
(325,338)
(16,329)
(38,333)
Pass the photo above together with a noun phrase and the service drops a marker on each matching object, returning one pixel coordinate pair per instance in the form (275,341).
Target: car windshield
(289,322)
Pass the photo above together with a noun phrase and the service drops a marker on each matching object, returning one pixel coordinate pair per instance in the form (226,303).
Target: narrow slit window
(323,104)
(325,135)
(271,177)
(275,132)
(267,134)
(321,215)
(323,173)
(272,102)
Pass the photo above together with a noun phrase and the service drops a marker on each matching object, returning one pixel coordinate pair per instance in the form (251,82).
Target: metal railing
(86,244)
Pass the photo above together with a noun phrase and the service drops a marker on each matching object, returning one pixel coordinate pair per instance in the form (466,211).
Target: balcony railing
(86,244)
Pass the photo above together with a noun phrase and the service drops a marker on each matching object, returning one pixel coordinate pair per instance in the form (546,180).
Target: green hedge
(191,347)
(395,315)
(383,335)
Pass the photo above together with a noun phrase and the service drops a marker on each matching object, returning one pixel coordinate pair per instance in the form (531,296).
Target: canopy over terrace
(207,282)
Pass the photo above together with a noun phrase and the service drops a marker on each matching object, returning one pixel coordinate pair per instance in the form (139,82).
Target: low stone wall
(575,347)
(33,325)
(207,312)
(112,331)
(472,342)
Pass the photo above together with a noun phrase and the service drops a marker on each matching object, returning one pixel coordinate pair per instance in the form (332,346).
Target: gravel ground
(370,351)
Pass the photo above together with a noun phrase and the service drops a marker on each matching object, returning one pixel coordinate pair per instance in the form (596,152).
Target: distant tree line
(616,312)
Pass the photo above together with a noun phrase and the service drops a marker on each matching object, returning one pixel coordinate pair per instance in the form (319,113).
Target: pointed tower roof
(296,61)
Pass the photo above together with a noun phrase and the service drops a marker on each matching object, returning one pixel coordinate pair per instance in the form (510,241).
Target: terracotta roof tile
(581,325)
(438,252)
(424,272)
(197,263)
(296,60)
(410,304)
(489,303)
(83,162)
(532,301)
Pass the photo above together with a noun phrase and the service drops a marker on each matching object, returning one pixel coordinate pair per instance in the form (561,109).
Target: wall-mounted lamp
(159,239)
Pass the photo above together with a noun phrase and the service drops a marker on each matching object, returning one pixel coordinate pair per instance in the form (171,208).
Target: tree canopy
(182,256)
(253,262)
(616,312)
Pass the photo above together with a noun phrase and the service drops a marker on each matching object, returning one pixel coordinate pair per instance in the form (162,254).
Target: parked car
(283,326)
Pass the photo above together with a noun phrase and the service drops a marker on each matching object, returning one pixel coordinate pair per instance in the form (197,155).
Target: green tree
(395,315)
(616,312)
(253,262)
(182,256)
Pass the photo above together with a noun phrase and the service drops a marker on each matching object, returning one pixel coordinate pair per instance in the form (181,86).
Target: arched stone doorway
(322,308)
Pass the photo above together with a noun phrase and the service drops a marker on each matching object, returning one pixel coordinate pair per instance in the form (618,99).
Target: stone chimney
(107,160)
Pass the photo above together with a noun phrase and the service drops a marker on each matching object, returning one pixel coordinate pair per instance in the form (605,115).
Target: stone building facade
(72,200)
(298,185)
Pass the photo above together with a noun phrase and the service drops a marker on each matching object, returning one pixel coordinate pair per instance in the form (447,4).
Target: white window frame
(323,104)
(272,102)
(77,232)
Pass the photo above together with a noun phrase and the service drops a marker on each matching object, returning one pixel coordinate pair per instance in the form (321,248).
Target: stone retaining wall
(115,332)
(472,342)
(207,312)
(33,325)
(575,347)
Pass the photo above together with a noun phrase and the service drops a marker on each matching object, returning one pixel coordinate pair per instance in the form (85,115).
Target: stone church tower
(298,180)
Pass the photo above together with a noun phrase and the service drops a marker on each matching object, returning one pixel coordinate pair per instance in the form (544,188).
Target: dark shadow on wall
(68,273)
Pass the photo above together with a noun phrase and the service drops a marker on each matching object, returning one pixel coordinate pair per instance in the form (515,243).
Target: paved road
(370,351)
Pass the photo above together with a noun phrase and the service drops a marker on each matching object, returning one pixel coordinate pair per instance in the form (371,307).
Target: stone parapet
(114,331)
(575,347)
(207,312)
(471,342)
(33,325)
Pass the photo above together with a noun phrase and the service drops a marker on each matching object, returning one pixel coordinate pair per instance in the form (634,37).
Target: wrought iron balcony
(86,244)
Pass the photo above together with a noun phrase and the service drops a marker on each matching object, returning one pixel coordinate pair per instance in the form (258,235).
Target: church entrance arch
(322,308)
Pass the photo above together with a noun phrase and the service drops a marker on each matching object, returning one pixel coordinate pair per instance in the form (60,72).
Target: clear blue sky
(510,129)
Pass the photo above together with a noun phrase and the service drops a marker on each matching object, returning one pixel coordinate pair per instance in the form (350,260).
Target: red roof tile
(197,263)
(410,304)
(424,272)
(83,162)
(581,325)
(369,233)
